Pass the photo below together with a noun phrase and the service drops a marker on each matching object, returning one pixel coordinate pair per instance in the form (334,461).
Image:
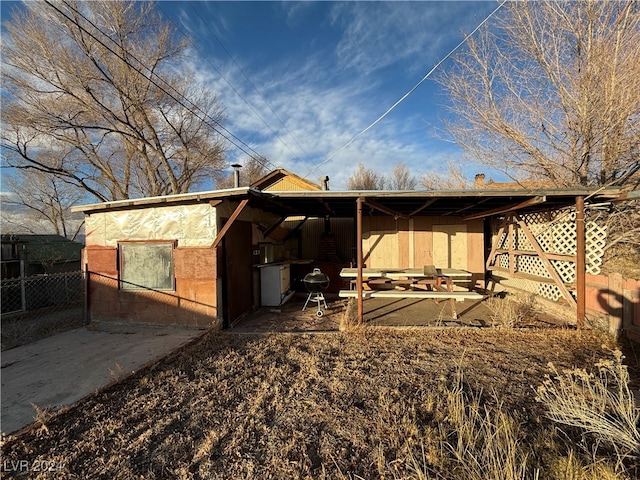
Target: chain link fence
(41,305)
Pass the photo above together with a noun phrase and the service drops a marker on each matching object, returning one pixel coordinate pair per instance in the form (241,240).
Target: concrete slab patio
(62,369)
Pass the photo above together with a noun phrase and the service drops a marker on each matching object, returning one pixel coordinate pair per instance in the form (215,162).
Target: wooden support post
(359,259)
(496,244)
(580,264)
(227,225)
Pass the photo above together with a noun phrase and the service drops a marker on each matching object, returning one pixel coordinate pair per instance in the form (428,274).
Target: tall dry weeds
(484,442)
(599,403)
(512,310)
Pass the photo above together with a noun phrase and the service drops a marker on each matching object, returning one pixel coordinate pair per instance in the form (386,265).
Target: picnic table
(422,283)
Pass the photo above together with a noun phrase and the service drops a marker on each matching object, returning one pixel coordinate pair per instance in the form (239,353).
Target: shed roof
(405,204)
(46,248)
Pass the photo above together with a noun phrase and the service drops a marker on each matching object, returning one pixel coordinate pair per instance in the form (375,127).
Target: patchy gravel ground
(326,405)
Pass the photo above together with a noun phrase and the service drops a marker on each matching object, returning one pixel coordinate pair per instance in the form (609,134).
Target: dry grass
(513,310)
(623,261)
(598,403)
(379,404)
(485,440)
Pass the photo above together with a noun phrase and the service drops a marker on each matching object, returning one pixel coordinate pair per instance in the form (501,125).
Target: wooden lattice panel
(566,270)
(503,261)
(555,232)
(596,240)
(532,266)
(552,292)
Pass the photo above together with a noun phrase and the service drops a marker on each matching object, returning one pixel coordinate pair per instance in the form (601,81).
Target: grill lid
(316,280)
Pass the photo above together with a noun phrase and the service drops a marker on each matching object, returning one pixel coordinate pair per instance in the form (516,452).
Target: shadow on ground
(399,312)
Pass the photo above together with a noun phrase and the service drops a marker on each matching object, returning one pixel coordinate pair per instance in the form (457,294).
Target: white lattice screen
(555,232)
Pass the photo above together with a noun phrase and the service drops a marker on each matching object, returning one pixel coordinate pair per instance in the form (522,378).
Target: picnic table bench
(423,283)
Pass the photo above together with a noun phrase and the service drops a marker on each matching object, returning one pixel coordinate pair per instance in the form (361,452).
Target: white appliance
(275,282)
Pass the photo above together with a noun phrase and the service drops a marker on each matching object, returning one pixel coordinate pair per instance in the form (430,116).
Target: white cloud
(381,34)
(324,104)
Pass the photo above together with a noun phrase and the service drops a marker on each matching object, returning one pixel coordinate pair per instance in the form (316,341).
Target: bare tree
(401,178)
(365,179)
(453,179)
(95,95)
(254,168)
(553,92)
(41,203)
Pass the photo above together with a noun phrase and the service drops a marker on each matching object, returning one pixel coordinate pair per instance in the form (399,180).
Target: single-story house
(209,258)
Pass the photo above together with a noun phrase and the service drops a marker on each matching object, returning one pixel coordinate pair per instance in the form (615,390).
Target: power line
(255,154)
(377,120)
(252,85)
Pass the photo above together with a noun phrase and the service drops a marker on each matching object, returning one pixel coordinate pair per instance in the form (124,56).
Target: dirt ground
(399,312)
(253,403)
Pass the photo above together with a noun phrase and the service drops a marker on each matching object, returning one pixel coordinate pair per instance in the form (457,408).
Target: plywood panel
(476,247)
(422,241)
(380,242)
(450,246)
(102,260)
(405,240)
(195,263)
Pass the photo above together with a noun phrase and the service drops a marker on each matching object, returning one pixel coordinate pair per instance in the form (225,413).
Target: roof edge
(165,199)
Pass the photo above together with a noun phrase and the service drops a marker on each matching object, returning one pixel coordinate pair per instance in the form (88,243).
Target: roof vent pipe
(236,174)
(325,182)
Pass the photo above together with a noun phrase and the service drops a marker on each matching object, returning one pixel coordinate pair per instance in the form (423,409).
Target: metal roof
(404,204)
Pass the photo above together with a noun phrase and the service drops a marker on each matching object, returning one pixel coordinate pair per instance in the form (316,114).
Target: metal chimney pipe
(236,174)
(325,183)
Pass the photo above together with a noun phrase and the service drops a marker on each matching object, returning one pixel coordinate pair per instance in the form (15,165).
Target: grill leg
(308,298)
(321,298)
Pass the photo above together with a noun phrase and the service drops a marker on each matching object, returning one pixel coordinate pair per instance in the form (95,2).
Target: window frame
(128,284)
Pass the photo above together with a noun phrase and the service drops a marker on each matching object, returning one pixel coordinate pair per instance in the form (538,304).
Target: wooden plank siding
(402,243)
(619,299)
(287,184)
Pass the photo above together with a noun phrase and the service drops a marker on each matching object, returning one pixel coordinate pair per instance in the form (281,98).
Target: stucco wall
(194,300)
(193,303)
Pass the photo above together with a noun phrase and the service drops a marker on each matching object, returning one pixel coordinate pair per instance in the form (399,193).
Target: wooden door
(238,271)
(450,246)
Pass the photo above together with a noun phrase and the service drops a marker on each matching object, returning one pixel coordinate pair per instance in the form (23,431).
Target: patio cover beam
(427,204)
(627,196)
(383,209)
(270,229)
(227,225)
(296,228)
(510,208)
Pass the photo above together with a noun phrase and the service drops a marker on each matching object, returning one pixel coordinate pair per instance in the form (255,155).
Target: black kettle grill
(316,283)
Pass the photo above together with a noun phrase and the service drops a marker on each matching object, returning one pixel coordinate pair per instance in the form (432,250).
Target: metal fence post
(85,303)
(23,289)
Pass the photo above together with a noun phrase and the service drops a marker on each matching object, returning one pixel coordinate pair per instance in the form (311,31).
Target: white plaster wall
(190,225)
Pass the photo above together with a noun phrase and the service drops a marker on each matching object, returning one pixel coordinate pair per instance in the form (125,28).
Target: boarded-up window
(450,246)
(146,266)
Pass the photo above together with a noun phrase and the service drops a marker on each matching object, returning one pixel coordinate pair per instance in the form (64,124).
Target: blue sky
(298,80)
